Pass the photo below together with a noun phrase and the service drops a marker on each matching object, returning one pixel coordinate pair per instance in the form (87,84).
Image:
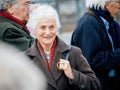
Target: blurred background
(69,11)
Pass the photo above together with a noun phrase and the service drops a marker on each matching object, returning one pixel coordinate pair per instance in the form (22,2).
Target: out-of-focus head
(44,11)
(17,8)
(17,72)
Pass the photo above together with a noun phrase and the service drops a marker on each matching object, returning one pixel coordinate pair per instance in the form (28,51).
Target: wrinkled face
(46,31)
(21,9)
(113,7)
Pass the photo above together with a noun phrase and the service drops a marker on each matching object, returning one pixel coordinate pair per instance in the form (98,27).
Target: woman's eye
(51,27)
(43,27)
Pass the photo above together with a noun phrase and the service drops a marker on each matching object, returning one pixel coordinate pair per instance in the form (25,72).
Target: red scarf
(44,56)
(9,16)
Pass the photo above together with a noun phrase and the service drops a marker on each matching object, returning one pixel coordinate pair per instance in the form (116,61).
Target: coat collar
(90,11)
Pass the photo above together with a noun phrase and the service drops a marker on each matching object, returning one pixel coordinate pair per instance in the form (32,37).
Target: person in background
(13,18)
(64,67)
(17,72)
(98,36)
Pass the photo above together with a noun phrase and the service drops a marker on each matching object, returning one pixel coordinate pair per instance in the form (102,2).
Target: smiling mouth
(47,37)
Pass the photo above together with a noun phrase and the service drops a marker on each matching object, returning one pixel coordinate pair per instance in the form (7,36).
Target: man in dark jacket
(13,16)
(98,35)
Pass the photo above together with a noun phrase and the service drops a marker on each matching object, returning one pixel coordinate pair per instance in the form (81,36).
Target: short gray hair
(41,12)
(96,3)
(4,3)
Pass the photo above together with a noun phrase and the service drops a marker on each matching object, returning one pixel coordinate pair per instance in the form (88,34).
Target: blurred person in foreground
(13,17)
(49,53)
(98,35)
(17,72)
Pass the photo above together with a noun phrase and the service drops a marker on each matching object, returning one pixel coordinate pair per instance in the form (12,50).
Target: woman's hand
(65,66)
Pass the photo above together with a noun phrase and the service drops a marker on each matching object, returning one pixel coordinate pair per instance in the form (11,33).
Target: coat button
(82,87)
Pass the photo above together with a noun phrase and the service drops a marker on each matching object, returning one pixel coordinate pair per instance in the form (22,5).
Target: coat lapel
(60,53)
(47,72)
(56,73)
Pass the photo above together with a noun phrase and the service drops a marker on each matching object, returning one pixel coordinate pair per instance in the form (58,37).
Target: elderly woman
(50,53)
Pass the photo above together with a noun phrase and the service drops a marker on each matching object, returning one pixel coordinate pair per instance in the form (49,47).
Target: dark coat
(84,77)
(91,36)
(14,34)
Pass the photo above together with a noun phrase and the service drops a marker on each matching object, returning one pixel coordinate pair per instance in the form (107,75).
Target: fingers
(62,64)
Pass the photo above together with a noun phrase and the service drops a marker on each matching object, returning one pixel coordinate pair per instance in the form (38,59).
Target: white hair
(17,72)
(96,3)
(43,11)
